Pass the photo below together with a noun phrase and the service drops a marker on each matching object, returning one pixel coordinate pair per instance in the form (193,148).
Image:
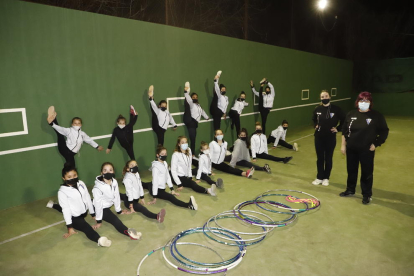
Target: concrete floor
(343,237)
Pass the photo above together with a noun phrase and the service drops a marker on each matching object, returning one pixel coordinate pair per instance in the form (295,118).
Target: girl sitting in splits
(203,164)
(278,136)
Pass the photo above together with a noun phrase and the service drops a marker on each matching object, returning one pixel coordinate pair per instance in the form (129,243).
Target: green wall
(95,66)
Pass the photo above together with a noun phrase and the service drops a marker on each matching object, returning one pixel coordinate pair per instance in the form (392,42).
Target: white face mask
(363,106)
(219,137)
(207,151)
(76,127)
(121,126)
(184,146)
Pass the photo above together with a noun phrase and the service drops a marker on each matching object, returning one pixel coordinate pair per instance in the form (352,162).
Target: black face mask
(223,92)
(133,169)
(195,101)
(163,108)
(325,101)
(243,138)
(267,92)
(163,157)
(241,99)
(285,128)
(72,181)
(259,131)
(108,176)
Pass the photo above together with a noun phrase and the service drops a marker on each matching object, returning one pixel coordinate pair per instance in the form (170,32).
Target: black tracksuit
(324,119)
(125,136)
(361,130)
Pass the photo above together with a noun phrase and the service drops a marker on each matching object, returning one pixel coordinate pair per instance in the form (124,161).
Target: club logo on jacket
(369,121)
(332,114)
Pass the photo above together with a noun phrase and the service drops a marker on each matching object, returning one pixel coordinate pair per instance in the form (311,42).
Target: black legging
(217,119)
(137,207)
(324,146)
(283,143)
(130,151)
(247,164)
(159,131)
(263,113)
(63,149)
(192,126)
(226,168)
(110,217)
(235,120)
(269,157)
(187,182)
(366,159)
(162,194)
(204,177)
(80,224)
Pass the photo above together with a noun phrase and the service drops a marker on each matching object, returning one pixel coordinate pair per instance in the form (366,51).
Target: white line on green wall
(150,129)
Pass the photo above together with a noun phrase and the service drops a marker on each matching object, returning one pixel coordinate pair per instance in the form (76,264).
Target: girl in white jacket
(236,111)
(181,172)
(161,117)
(74,137)
(74,203)
(134,197)
(105,194)
(204,164)
(161,177)
(278,137)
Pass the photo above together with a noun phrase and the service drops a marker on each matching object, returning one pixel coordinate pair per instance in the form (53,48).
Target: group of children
(73,196)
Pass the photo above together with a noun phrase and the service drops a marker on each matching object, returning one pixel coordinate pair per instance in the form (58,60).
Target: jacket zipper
(76,143)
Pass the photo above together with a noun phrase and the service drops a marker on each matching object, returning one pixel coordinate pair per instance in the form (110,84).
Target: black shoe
(366,200)
(287,159)
(267,168)
(346,193)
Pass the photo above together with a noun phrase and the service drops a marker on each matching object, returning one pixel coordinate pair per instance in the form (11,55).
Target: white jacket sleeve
(188,99)
(255,92)
(87,198)
(89,140)
(64,203)
(140,189)
(172,122)
(97,203)
(62,130)
(190,158)
(272,89)
(217,88)
(154,107)
(204,114)
(169,183)
(117,199)
(284,135)
(174,168)
(253,146)
(264,142)
(200,168)
(155,171)
(128,189)
(277,138)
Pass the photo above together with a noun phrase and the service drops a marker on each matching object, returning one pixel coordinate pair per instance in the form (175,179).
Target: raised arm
(272,89)
(62,130)
(154,106)
(188,99)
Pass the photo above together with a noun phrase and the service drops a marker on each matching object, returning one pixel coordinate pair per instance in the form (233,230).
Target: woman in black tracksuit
(328,120)
(218,107)
(192,115)
(363,131)
(125,133)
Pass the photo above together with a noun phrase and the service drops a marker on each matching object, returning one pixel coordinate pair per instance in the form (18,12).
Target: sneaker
(287,159)
(295,147)
(346,193)
(50,204)
(250,173)
(219,183)
(160,216)
(132,110)
(267,168)
(212,190)
(103,241)
(317,182)
(51,114)
(192,204)
(187,87)
(366,200)
(151,91)
(219,73)
(263,81)
(325,182)
(133,234)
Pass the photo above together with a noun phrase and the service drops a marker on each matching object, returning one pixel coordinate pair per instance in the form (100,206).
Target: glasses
(364,101)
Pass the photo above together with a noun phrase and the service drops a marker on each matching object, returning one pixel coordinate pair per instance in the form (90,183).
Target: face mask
(267,92)
(121,126)
(325,101)
(207,151)
(241,99)
(219,137)
(133,169)
(163,157)
(195,100)
(72,181)
(184,146)
(223,92)
(108,176)
(285,128)
(163,108)
(76,127)
(243,138)
(259,131)
(363,106)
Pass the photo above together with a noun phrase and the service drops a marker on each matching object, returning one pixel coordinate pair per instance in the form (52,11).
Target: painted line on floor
(150,129)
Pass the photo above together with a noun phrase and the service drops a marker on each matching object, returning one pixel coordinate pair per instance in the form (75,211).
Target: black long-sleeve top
(125,136)
(327,117)
(361,129)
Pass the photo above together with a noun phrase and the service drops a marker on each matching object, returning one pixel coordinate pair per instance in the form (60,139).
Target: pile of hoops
(260,222)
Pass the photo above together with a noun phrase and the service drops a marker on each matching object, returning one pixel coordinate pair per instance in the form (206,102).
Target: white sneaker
(295,147)
(212,190)
(103,241)
(151,91)
(325,182)
(187,87)
(250,173)
(219,73)
(193,204)
(50,204)
(317,182)
(133,234)
(263,80)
